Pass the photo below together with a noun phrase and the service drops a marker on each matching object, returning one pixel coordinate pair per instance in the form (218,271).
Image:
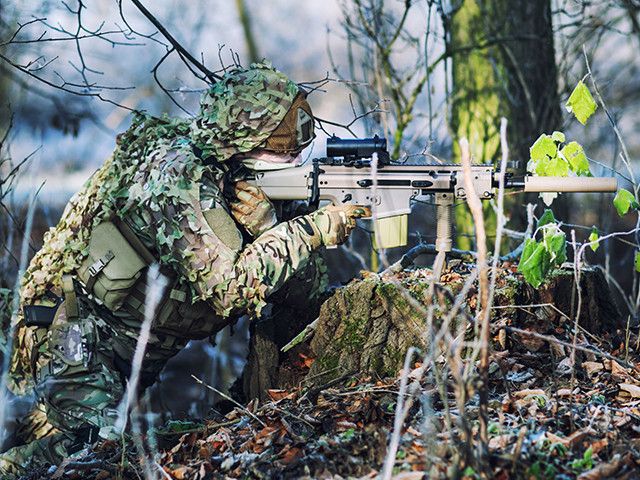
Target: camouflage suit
(164,182)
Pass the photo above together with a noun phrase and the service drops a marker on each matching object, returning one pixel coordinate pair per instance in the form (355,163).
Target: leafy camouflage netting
(240,111)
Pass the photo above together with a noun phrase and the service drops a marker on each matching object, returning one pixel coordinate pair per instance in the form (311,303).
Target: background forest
(422,73)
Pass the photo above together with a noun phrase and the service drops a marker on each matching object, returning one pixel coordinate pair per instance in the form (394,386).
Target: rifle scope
(356,148)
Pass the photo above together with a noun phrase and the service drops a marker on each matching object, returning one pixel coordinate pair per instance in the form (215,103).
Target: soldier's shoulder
(149,136)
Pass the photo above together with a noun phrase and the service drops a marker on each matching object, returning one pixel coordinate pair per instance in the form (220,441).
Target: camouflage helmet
(240,111)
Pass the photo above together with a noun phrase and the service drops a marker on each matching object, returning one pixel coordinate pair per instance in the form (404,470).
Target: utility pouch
(39,315)
(112,266)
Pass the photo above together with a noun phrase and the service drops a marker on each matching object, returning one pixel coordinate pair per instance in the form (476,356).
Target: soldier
(161,198)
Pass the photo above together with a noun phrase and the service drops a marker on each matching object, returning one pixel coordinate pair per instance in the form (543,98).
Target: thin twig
(481,245)
(227,397)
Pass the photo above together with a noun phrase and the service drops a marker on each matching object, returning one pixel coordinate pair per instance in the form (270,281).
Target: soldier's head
(255,109)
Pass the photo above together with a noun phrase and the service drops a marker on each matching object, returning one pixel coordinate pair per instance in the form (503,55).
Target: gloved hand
(252,209)
(335,222)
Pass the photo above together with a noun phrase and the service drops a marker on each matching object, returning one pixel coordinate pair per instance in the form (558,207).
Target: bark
(503,63)
(368,325)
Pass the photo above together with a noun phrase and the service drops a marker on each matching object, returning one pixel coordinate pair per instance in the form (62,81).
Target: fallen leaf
(276,394)
(634,390)
(291,454)
(410,476)
(618,370)
(599,445)
(528,392)
(499,441)
(604,470)
(181,473)
(572,439)
(592,367)
(305,361)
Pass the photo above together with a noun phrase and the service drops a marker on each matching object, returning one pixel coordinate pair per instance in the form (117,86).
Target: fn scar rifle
(346,175)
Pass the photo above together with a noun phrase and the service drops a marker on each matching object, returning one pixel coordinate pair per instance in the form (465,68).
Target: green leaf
(532,262)
(636,261)
(558,137)
(578,162)
(538,258)
(469,472)
(581,103)
(546,218)
(543,148)
(593,237)
(555,244)
(557,167)
(623,201)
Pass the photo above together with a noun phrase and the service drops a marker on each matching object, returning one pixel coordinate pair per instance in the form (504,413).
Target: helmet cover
(240,111)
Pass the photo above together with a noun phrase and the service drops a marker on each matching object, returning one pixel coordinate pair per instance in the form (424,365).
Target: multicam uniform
(162,189)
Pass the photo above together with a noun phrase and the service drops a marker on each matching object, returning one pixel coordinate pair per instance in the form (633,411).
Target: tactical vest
(114,274)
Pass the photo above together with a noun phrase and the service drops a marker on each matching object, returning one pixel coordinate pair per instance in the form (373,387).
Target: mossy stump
(368,325)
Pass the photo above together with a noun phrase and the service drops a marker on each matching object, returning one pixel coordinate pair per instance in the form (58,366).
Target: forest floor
(547,420)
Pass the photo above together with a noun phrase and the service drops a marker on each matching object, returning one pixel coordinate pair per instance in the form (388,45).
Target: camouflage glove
(252,209)
(334,223)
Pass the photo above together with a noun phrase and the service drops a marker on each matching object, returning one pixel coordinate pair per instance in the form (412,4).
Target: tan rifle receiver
(346,175)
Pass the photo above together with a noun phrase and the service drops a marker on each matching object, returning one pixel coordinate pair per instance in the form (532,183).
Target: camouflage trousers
(80,379)
(77,385)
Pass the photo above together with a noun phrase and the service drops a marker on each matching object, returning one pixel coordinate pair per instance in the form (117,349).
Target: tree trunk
(503,66)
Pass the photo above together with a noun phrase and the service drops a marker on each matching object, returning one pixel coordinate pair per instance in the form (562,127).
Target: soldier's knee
(51,449)
(78,384)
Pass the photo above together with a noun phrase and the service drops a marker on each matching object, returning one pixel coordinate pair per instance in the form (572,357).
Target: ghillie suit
(160,198)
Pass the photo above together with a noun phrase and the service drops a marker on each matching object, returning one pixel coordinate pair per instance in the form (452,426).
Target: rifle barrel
(570,184)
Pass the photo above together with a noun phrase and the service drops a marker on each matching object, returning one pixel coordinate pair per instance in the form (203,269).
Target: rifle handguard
(570,184)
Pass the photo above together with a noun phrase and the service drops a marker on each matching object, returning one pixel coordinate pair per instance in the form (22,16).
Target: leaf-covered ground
(547,420)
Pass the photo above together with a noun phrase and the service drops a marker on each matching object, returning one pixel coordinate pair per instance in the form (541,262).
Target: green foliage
(578,162)
(594,236)
(470,472)
(540,470)
(543,148)
(623,201)
(179,426)
(546,218)
(636,261)
(581,103)
(348,434)
(494,428)
(549,156)
(540,257)
(558,449)
(584,463)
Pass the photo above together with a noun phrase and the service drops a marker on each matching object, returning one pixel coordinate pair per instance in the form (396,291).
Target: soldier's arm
(198,237)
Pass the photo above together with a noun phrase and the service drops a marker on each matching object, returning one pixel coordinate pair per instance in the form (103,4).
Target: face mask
(265,160)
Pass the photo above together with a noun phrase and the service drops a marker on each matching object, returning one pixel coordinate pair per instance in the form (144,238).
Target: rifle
(346,175)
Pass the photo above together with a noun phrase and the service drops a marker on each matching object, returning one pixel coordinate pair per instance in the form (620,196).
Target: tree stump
(368,325)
